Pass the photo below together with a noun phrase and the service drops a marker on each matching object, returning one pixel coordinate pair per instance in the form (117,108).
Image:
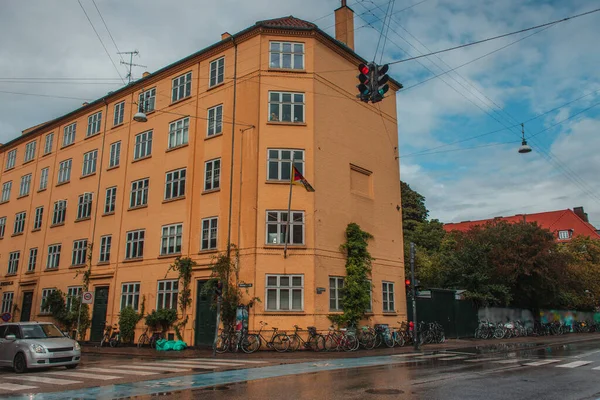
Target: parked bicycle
(107,335)
(342,339)
(234,341)
(279,341)
(314,341)
(144,339)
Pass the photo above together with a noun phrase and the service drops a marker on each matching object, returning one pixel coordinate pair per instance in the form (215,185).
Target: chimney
(85,103)
(225,35)
(344,25)
(581,214)
(145,74)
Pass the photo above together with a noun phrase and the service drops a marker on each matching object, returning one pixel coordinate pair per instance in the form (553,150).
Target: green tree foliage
(183,266)
(580,284)
(67,318)
(161,319)
(128,320)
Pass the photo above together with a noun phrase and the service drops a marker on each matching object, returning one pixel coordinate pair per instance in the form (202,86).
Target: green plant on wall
(163,318)
(84,317)
(183,266)
(128,320)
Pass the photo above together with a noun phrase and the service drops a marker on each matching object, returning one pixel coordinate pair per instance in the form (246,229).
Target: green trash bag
(179,345)
(160,344)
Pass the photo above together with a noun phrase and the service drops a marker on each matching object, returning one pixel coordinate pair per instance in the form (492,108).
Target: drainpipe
(232,150)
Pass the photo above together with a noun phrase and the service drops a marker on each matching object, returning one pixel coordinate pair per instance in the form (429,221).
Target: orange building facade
(233,115)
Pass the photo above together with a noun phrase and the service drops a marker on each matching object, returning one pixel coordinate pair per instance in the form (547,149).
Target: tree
(580,284)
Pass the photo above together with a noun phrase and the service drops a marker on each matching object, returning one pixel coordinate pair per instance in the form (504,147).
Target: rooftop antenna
(130,64)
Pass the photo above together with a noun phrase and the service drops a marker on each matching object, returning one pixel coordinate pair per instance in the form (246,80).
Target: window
(84,206)
(119,113)
(94,123)
(73,294)
(30,151)
(48,143)
(135,244)
(277,224)
(25,185)
(279,163)
(53,256)
(175,184)
(147,101)
(79,252)
(212,173)
(139,193)
(64,171)
(565,235)
(44,178)
(167,294)
(110,200)
(45,294)
(388,297)
(171,239)
(130,295)
(286,55)
(32,259)
(209,233)
(105,244)
(115,155)
(60,212)
(286,107)
(6,191)
(143,145)
(11,159)
(37,220)
(7,302)
(89,162)
(217,72)
(178,132)
(69,134)
(215,120)
(285,292)
(13,262)
(2,227)
(336,285)
(182,87)
(19,222)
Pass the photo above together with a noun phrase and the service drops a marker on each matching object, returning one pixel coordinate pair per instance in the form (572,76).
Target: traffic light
(380,86)
(219,288)
(365,87)
(407,282)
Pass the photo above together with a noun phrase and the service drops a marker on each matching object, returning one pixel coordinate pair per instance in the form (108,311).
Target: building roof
(554,221)
(290,22)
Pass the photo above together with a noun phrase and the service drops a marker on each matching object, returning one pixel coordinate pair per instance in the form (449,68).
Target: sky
(458,133)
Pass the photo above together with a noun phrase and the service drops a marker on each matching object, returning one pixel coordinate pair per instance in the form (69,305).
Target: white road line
(205,365)
(120,371)
(574,364)
(407,355)
(14,386)
(158,368)
(78,374)
(541,362)
(509,361)
(453,358)
(596,369)
(478,360)
(41,379)
(433,356)
(221,360)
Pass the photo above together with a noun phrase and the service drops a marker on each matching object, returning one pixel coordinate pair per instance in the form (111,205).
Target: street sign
(244,285)
(6,317)
(87,298)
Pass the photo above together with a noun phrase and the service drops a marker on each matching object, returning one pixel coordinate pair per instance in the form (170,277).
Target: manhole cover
(384,391)
(217,388)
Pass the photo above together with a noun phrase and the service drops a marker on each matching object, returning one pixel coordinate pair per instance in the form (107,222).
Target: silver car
(25,345)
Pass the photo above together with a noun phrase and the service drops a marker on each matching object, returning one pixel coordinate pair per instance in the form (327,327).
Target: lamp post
(525,148)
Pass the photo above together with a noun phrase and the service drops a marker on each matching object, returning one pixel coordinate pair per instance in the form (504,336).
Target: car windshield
(41,331)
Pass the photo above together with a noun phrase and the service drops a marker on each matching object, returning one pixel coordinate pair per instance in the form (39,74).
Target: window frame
(14,257)
(84,206)
(11,159)
(73,292)
(119,113)
(69,134)
(7,302)
(179,133)
(139,193)
(133,239)
(171,239)
(30,151)
(173,294)
(210,177)
(280,162)
(19,225)
(38,218)
(278,288)
(90,163)
(215,122)
(281,53)
(181,87)
(105,247)
(565,234)
(282,223)
(32,261)
(175,184)
(145,99)
(110,200)
(2,227)
(6,190)
(48,143)
(143,143)
(334,292)
(280,107)
(53,257)
(219,77)
(45,293)
(59,210)
(385,295)
(79,252)
(129,297)
(25,186)
(64,171)
(114,158)
(44,177)
(206,233)
(94,124)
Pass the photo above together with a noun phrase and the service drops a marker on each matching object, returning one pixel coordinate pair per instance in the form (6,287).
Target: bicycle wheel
(388,340)
(222,343)
(113,342)
(317,343)
(250,344)
(294,342)
(368,340)
(378,340)
(142,340)
(350,343)
(281,342)
(330,343)
(399,339)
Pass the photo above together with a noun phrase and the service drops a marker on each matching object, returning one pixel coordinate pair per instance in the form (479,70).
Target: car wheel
(20,363)
(72,366)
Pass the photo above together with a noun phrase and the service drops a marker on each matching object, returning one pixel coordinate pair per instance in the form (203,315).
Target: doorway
(26,306)
(206,318)
(99,314)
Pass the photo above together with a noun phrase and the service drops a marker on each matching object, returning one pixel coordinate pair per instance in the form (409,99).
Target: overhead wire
(108,30)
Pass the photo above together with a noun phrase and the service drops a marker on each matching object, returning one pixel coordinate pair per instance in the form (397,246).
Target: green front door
(99,314)
(206,318)
(26,306)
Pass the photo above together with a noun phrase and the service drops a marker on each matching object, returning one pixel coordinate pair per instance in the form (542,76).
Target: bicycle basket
(312,330)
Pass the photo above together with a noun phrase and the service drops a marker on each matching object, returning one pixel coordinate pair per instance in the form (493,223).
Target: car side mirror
(10,337)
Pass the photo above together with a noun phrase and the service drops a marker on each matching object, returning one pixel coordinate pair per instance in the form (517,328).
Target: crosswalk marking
(478,360)
(596,369)
(158,368)
(120,371)
(213,362)
(225,360)
(574,364)
(433,356)
(509,361)
(541,362)
(195,365)
(41,379)
(77,374)
(407,355)
(15,386)
(453,358)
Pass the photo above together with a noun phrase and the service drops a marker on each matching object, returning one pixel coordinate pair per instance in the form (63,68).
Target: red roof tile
(286,22)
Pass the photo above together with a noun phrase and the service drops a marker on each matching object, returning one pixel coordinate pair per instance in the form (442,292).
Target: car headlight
(38,348)
(77,346)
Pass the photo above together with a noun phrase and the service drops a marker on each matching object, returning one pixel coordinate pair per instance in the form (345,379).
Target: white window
(277,224)
(32,259)
(285,292)
(110,200)
(11,159)
(279,164)
(130,295)
(209,233)
(167,294)
(212,174)
(89,162)
(60,212)
(119,113)
(37,220)
(217,72)
(143,145)
(44,178)
(171,239)
(84,206)
(79,252)
(175,184)
(115,155)
(30,151)
(565,235)
(53,256)
(64,171)
(7,302)
(388,297)
(25,185)
(147,101)
(105,244)
(139,193)
(134,247)
(286,107)
(178,132)
(73,295)
(182,87)
(20,222)
(2,227)
(215,120)
(94,121)
(45,294)
(48,143)
(13,262)
(6,191)
(69,134)
(286,55)
(336,285)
